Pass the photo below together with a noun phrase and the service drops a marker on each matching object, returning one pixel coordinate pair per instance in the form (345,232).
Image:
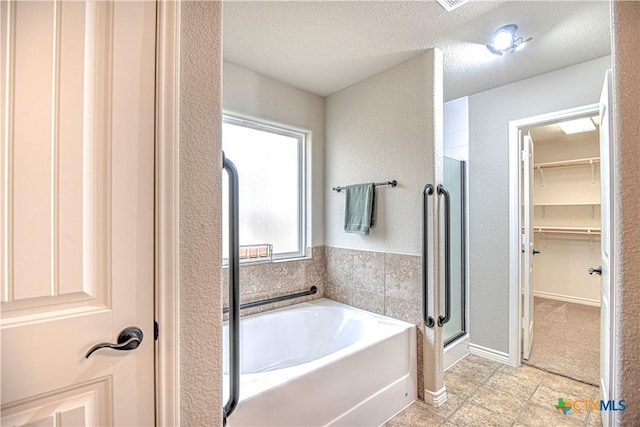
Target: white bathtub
(323,363)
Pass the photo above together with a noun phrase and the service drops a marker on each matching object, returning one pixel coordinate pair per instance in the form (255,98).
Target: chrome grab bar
(312,291)
(447,256)
(426,192)
(234,290)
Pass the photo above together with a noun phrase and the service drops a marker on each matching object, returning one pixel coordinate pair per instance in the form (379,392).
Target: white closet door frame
(527,244)
(515,221)
(607,289)
(167,214)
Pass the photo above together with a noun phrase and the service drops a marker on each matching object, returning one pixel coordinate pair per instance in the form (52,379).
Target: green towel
(358,209)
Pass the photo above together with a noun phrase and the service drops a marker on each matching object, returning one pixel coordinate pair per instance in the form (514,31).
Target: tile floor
(486,393)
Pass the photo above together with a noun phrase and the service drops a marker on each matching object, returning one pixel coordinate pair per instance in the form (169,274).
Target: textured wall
(249,93)
(626,113)
(200,211)
(489,116)
(378,130)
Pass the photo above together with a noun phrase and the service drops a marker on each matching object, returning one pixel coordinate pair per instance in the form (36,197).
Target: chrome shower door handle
(442,320)
(428,320)
(129,339)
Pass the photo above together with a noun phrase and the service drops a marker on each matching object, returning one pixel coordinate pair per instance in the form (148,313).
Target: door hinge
(155,330)
(524,155)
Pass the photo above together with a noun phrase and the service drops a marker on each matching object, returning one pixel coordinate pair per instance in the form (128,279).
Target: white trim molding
(491,354)
(167,214)
(436,399)
(515,348)
(567,298)
(515,308)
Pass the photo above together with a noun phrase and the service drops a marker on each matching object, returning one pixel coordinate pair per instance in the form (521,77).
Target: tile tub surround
(383,283)
(272,279)
(483,392)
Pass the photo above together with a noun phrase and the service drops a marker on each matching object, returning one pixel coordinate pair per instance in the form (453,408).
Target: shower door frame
(463,255)
(457,347)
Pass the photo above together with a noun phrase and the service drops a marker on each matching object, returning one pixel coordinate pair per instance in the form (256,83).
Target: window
(270,162)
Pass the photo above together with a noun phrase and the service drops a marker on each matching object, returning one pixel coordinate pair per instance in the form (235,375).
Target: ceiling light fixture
(584,124)
(505,40)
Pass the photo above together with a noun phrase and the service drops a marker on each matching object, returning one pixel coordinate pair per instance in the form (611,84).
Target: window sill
(274,261)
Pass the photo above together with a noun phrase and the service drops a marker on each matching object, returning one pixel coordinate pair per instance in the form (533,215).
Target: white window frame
(302,138)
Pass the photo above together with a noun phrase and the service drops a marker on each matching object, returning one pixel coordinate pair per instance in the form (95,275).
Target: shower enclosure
(454,181)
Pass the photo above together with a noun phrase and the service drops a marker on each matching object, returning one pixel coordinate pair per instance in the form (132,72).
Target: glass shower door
(454,181)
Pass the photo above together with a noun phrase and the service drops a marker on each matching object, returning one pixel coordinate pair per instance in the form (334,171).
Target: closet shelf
(591,161)
(568,230)
(565,163)
(567,204)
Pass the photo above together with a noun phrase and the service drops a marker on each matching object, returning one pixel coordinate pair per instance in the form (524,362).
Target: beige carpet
(566,339)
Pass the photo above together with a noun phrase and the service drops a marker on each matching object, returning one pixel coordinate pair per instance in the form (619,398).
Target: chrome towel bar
(392,183)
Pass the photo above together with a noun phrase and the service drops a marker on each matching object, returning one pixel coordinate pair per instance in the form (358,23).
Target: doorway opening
(560,213)
(555,215)
(520,316)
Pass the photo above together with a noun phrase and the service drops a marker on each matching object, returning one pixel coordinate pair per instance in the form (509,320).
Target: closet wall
(566,201)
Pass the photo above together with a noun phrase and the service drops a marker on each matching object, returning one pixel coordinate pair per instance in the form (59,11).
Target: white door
(527,243)
(607,292)
(76,211)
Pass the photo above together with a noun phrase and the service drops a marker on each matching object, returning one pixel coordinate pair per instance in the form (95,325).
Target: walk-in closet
(566,227)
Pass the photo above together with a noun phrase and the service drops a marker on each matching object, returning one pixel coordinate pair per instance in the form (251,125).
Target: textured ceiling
(325,46)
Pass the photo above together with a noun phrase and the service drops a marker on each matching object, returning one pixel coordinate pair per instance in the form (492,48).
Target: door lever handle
(597,270)
(129,339)
(536,252)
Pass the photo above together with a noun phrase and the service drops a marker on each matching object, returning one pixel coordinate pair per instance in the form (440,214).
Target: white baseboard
(435,399)
(489,353)
(566,298)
